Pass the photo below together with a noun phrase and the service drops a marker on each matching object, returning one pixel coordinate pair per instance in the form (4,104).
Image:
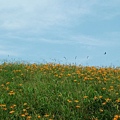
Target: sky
(60,31)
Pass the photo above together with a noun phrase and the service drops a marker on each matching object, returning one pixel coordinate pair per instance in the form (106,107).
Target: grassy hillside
(58,92)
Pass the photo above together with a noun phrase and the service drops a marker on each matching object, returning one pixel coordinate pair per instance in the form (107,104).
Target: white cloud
(40,14)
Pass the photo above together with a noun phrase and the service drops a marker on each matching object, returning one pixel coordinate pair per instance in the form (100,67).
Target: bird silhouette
(105,53)
(75,57)
(64,57)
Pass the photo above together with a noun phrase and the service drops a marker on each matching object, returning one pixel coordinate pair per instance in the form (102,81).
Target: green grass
(59,92)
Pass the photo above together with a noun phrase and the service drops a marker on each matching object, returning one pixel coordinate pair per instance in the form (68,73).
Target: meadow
(59,92)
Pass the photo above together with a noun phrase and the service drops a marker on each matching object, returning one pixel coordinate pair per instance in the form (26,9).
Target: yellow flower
(95,98)
(111,87)
(104,88)
(118,100)
(77,106)
(100,97)
(2,105)
(26,113)
(46,115)
(11,107)
(23,115)
(76,101)
(69,74)
(11,93)
(108,99)
(85,97)
(60,94)
(25,104)
(101,110)
(14,105)
(24,110)
(28,117)
(22,74)
(85,78)
(103,103)
(11,112)
(7,88)
(20,84)
(7,83)
(2,85)
(69,101)
(75,80)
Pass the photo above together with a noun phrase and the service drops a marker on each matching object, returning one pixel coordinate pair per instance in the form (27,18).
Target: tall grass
(58,92)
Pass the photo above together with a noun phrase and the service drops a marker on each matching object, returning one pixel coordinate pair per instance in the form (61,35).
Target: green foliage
(58,92)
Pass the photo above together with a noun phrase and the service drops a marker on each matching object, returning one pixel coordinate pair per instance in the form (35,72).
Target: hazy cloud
(16,15)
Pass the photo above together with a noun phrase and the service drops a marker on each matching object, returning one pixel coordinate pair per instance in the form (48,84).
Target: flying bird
(64,57)
(105,53)
(75,57)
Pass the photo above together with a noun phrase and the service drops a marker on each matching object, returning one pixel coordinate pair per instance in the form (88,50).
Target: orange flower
(116,116)
(11,112)
(11,93)
(4,108)
(39,116)
(77,106)
(23,115)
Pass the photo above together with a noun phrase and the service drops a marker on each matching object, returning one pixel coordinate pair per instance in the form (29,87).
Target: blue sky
(74,31)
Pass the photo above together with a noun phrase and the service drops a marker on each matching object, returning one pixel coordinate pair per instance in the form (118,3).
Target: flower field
(59,92)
